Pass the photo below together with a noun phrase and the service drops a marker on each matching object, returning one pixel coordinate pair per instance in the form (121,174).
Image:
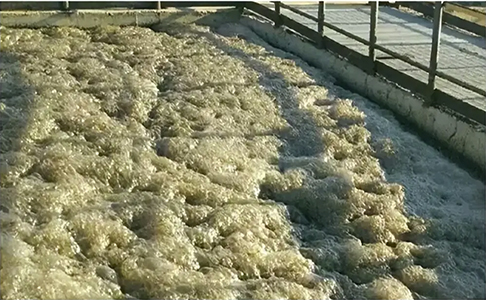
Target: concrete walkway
(462,55)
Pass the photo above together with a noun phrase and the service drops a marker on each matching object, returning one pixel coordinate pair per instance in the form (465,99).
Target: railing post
(240,6)
(373,25)
(434,53)
(65,5)
(278,21)
(159,5)
(320,22)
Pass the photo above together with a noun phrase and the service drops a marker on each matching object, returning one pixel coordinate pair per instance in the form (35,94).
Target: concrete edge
(95,18)
(458,135)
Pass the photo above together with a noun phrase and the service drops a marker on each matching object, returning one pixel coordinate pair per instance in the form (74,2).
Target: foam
(191,164)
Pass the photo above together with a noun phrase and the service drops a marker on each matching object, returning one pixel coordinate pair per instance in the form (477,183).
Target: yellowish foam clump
(388,289)
(43,274)
(364,263)
(424,281)
(138,163)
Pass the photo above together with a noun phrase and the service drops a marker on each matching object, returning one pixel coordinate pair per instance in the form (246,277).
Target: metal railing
(371,43)
(428,90)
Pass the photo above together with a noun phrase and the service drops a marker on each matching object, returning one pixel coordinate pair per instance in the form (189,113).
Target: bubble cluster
(183,163)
